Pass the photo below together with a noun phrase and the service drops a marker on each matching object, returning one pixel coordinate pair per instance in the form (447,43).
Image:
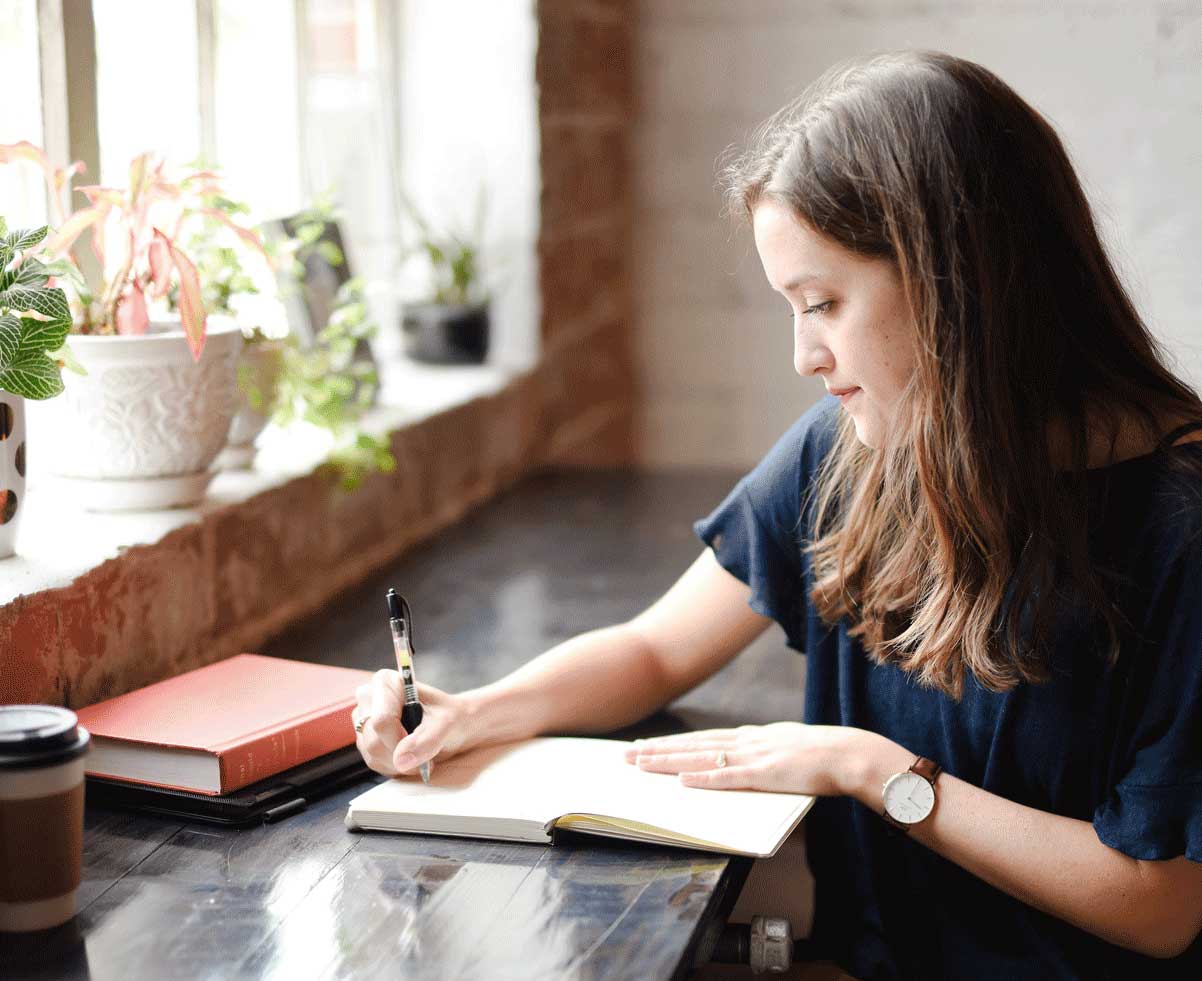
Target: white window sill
(58,541)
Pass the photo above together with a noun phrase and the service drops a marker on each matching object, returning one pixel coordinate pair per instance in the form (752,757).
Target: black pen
(401,622)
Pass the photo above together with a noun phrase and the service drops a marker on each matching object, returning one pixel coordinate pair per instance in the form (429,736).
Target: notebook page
(743,821)
(482,792)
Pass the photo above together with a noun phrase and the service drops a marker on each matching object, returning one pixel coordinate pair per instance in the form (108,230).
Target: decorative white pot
(12,469)
(259,367)
(143,427)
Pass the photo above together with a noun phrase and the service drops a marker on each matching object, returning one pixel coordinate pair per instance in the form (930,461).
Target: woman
(989,548)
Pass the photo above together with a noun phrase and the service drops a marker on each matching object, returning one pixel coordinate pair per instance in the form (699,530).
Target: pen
(401,622)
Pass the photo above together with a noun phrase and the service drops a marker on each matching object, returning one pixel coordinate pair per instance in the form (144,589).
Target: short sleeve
(1155,809)
(757,532)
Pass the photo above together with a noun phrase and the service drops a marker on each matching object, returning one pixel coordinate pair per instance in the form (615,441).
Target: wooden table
(305,898)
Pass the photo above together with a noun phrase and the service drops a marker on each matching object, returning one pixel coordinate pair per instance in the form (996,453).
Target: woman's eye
(818,308)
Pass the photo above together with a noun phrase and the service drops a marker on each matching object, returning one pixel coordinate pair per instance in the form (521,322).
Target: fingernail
(404,761)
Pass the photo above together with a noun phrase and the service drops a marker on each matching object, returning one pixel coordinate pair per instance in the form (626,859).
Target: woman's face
(850,322)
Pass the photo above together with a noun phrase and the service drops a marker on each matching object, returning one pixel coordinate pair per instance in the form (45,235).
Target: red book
(218,728)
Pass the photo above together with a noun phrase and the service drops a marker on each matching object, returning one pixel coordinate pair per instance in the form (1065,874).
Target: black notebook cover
(268,800)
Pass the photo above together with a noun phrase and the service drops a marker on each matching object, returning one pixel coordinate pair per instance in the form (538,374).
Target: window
(296,98)
(346,126)
(22,190)
(147,95)
(257,124)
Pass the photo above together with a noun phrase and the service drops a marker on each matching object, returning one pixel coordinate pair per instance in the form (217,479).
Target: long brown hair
(935,545)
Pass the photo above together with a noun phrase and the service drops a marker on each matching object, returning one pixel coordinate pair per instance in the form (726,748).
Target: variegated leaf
(33,375)
(10,338)
(43,335)
(32,274)
(51,304)
(23,239)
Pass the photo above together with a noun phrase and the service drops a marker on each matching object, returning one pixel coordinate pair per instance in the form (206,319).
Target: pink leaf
(56,177)
(95,194)
(191,309)
(249,236)
(25,151)
(66,233)
(98,242)
(139,174)
(132,317)
(160,266)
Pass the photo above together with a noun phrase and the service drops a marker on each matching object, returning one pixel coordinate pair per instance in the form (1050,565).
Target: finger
(727,778)
(383,729)
(421,745)
(714,739)
(680,762)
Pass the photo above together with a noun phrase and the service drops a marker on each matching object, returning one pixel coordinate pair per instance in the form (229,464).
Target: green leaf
(27,238)
(10,338)
(49,303)
(33,375)
(66,269)
(331,253)
(66,357)
(31,274)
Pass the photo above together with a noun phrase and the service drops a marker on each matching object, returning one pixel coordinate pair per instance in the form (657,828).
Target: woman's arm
(595,682)
(612,677)
(1056,864)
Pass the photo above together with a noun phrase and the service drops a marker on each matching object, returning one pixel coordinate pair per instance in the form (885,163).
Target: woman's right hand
(384,744)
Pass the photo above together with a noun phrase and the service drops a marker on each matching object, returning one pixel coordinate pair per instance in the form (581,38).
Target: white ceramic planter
(12,469)
(143,427)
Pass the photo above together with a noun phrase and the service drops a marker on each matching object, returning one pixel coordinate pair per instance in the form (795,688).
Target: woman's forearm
(1056,864)
(595,682)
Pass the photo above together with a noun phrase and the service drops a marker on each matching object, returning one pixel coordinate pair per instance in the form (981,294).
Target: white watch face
(908,797)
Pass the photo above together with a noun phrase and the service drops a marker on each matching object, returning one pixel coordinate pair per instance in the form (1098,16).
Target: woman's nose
(810,358)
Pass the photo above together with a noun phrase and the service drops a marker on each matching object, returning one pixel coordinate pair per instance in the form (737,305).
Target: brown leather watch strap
(926,768)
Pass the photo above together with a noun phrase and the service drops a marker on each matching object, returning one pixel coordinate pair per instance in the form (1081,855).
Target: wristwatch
(909,796)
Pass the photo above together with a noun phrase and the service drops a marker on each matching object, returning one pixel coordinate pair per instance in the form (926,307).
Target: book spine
(273,752)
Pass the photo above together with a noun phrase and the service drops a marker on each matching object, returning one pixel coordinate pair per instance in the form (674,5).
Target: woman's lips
(845,396)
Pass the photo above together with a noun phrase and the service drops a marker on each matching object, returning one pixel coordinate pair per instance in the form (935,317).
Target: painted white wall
(469,115)
(1121,81)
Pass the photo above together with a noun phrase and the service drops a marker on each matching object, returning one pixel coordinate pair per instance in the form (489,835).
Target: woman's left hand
(788,757)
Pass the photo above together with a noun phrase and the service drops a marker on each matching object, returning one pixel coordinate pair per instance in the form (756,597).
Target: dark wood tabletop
(305,898)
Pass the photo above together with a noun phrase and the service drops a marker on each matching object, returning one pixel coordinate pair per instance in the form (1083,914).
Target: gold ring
(360,723)
(721,760)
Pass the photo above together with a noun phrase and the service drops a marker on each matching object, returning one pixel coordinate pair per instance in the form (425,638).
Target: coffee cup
(42,750)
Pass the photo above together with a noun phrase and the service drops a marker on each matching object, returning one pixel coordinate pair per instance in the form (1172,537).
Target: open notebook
(521,791)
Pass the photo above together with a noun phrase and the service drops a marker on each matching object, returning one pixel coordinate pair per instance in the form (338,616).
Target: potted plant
(34,321)
(236,280)
(142,429)
(316,378)
(450,324)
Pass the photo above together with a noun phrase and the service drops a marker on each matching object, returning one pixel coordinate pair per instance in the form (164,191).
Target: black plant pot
(441,334)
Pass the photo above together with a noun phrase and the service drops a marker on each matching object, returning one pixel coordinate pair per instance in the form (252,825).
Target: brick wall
(585,115)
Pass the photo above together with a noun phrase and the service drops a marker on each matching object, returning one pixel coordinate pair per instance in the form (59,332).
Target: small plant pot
(12,469)
(259,367)
(441,334)
(142,428)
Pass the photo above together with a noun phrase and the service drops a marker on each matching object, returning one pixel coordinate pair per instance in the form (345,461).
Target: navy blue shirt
(1120,747)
